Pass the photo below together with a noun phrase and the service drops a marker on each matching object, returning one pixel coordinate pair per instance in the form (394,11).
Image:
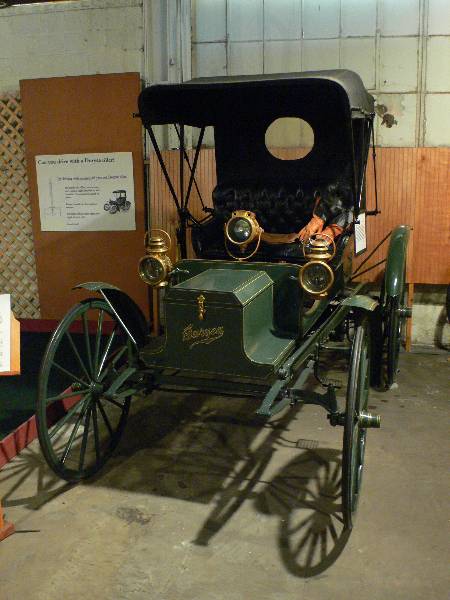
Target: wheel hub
(405,312)
(96,388)
(367,420)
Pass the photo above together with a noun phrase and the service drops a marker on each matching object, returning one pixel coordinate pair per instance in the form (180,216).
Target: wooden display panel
(65,115)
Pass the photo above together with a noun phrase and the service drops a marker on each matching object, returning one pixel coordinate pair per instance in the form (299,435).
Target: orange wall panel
(413,189)
(65,115)
(432,224)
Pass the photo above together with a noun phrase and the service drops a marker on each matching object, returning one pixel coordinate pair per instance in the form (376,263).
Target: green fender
(362,302)
(371,307)
(394,276)
(125,309)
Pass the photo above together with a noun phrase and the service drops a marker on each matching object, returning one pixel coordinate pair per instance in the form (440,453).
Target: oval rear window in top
(289,138)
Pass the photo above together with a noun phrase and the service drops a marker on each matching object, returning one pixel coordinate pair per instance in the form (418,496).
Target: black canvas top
(206,101)
(334,103)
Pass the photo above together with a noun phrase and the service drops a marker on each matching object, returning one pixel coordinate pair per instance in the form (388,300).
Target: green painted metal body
(286,291)
(394,278)
(252,319)
(242,328)
(235,332)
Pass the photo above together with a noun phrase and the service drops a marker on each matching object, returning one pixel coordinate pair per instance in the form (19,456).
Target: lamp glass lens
(152,269)
(239,230)
(316,277)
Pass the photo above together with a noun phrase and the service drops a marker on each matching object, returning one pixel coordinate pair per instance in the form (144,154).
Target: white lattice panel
(17,261)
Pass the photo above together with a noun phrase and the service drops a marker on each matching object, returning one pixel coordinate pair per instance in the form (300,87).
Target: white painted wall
(429,324)
(401,49)
(71,38)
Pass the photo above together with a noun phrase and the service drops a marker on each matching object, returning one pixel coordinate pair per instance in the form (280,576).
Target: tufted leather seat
(278,209)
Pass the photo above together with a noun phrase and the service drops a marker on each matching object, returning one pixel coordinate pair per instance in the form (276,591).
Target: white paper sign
(5,332)
(360,234)
(86,192)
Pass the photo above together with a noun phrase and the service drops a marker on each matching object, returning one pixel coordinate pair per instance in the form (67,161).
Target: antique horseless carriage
(118,203)
(251,314)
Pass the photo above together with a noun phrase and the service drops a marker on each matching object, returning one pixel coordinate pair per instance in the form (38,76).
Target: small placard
(9,338)
(360,234)
(5,332)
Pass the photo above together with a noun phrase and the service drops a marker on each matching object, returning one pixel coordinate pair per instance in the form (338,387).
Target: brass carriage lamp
(156,265)
(241,230)
(316,276)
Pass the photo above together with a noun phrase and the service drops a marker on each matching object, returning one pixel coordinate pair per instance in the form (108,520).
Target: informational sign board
(360,234)
(86,192)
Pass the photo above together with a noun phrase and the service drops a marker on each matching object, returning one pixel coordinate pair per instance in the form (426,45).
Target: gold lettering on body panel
(204,335)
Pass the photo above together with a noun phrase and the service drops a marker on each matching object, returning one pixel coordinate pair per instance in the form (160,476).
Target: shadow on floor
(306,496)
(214,451)
(30,466)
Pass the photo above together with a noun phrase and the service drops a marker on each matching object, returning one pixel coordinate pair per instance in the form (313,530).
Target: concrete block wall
(70,38)
(401,49)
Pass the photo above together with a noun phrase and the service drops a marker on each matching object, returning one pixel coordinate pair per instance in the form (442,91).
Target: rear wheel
(84,390)
(354,440)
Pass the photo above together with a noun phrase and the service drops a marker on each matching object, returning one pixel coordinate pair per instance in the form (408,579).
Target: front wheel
(354,440)
(84,391)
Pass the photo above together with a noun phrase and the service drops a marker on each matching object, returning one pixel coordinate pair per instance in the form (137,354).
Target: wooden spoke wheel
(84,390)
(354,428)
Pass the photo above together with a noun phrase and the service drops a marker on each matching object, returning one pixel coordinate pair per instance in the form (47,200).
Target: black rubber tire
(393,325)
(106,415)
(394,334)
(354,437)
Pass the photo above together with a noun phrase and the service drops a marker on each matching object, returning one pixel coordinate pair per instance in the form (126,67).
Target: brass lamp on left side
(155,266)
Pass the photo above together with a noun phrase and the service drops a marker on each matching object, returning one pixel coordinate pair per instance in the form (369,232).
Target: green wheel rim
(354,440)
(79,424)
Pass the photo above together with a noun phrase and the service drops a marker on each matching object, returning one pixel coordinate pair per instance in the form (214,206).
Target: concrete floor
(201,503)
